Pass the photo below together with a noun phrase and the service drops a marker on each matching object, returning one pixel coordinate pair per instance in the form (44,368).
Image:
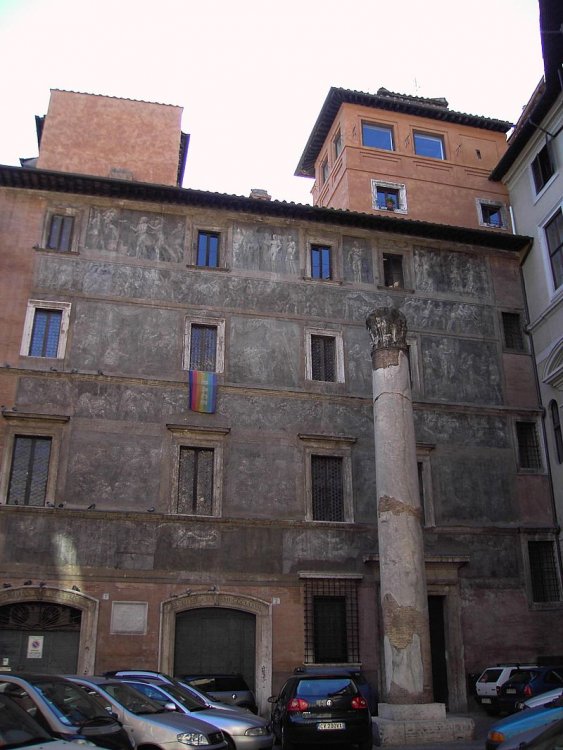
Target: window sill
(332,282)
(193,267)
(404,289)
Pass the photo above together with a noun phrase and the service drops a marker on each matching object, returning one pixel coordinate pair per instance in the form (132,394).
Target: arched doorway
(232,609)
(40,637)
(214,640)
(44,629)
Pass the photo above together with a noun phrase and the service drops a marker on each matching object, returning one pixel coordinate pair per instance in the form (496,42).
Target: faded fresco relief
(454,317)
(136,234)
(358,265)
(461,370)
(265,249)
(457,273)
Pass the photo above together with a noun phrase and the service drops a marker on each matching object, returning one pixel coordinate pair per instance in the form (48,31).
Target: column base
(420,723)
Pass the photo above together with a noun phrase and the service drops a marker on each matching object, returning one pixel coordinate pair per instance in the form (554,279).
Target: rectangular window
(323,358)
(554,237)
(377,136)
(492,215)
(29,470)
(529,456)
(331,621)
(324,171)
(338,145)
(429,145)
(327,486)
(60,232)
(557,432)
(203,347)
(387,198)
(321,262)
(543,572)
(393,271)
(208,249)
(512,329)
(542,168)
(45,333)
(195,481)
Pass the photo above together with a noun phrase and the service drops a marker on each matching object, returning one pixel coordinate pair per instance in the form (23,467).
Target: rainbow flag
(203,391)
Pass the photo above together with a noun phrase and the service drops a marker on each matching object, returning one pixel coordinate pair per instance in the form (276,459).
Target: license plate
(510,691)
(486,700)
(327,725)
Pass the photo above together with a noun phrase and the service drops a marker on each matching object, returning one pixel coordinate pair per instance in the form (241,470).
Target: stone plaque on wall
(129,618)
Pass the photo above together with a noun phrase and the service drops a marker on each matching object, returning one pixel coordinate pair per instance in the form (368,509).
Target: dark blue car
(526,683)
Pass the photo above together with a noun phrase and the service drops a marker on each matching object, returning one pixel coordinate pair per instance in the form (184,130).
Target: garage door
(213,639)
(39,637)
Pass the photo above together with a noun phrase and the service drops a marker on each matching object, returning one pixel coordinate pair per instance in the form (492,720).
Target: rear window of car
(522,675)
(490,675)
(320,688)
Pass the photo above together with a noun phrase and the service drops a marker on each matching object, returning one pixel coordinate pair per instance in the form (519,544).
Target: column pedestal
(425,723)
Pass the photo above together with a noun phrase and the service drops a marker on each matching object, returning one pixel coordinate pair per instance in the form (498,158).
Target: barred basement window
(323,358)
(195,481)
(29,616)
(512,328)
(529,456)
(331,621)
(543,572)
(327,485)
(29,470)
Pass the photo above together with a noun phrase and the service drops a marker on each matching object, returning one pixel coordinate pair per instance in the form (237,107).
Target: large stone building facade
(242,536)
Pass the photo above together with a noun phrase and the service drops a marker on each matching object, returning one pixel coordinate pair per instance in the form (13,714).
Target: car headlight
(256,732)
(193,738)
(496,737)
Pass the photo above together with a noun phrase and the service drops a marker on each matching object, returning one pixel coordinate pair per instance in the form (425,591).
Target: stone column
(404,603)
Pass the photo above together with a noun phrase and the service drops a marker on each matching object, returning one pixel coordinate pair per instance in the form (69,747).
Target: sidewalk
(482,725)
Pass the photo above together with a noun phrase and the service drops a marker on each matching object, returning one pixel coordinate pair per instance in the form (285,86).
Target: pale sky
(252,75)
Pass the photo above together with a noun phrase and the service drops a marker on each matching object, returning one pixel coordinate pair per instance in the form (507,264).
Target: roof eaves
(64,182)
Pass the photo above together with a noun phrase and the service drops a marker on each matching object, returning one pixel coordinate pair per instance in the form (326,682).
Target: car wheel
(230,744)
(285,744)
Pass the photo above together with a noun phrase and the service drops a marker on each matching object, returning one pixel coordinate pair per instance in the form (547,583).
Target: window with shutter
(327,485)
(29,470)
(195,481)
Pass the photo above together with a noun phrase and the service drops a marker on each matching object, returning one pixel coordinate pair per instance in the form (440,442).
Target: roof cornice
(87,185)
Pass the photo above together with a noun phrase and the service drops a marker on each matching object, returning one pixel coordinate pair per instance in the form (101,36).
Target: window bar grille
(543,572)
(340,590)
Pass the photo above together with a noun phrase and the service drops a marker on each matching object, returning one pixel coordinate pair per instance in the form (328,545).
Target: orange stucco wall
(94,135)
(441,191)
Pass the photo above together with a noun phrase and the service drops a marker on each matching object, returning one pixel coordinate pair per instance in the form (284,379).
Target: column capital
(387,328)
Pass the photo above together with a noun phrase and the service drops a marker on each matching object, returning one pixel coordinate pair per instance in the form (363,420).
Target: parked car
(541,738)
(64,710)
(158,678)
(228,688)
(527,683)
(19,730)
(147,722)
(523,721)
(321,709)
(366,689)
(543,699)
(492,678)
(242,731)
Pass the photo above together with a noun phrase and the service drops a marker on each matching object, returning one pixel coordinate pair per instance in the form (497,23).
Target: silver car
(243,731)
(149,725)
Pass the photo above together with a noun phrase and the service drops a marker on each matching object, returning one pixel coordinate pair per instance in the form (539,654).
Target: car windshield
(17,728)
(163,694)
(131,699)
(69,702)
(323,688)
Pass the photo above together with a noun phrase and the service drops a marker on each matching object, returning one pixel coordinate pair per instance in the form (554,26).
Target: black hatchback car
(321,709)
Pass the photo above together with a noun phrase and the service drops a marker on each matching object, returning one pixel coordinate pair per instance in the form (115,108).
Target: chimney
(260,195)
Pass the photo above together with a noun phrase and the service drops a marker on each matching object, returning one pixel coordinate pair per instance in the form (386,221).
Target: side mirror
(169,706)
(273,699)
